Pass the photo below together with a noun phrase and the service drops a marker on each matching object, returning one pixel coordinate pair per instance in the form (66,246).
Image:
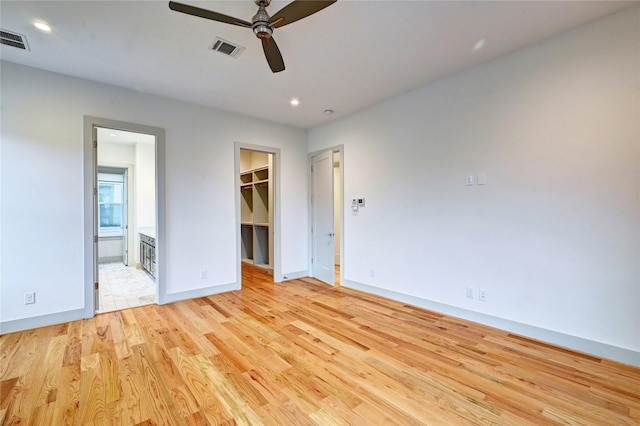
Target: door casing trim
(277,264)
(89,170)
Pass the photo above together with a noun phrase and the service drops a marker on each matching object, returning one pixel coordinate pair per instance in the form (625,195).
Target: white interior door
(322,231)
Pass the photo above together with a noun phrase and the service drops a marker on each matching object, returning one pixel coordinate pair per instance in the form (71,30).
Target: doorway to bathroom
(125,206)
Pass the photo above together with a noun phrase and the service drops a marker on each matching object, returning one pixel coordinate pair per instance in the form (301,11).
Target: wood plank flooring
(301,353)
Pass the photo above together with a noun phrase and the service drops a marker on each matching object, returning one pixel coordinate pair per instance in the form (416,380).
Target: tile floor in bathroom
(124,287)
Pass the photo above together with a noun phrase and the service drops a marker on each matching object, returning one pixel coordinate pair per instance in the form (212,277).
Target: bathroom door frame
(90,167)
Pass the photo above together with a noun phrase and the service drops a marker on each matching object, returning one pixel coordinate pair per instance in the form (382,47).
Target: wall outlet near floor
(203,274)
(30,298)
(482,294)
(468,180)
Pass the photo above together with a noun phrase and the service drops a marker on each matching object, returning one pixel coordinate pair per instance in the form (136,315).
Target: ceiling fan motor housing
(260,22)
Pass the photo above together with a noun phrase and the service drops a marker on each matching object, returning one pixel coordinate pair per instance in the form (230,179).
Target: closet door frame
(275,185)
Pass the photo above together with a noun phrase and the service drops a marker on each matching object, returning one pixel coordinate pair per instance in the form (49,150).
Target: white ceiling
(346,57)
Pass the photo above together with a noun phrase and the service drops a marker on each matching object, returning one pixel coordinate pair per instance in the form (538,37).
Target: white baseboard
(40,321)
(78,314)
(294,275)
(627,356)
(110,259)
(616,353)
(200,292)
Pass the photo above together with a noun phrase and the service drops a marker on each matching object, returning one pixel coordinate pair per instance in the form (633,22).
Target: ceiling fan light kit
(262,24)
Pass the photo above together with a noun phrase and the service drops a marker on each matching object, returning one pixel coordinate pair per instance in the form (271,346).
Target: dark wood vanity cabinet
(148,254)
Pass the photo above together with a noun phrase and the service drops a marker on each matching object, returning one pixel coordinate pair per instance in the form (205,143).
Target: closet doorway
(257,179)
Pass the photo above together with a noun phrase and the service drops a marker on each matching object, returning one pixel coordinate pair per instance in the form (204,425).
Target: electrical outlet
(470,293)
(468,180)
(30,298)
(203,274)
(482,294)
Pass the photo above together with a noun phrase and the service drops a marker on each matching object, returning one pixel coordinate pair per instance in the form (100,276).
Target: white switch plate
(482,178)
(469,180)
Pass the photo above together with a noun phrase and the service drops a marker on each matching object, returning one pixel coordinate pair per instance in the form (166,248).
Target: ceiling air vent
(13,39)
(226,47)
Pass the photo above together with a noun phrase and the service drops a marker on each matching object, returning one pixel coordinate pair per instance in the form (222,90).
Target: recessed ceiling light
(479,44)
(42,27)
(295,102)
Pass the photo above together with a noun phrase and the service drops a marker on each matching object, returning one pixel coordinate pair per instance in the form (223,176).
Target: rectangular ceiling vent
(13,39)
(226,47)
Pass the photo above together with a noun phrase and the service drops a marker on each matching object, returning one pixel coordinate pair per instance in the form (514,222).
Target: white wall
(42,189)
(110,153)
(554,235)
(109,249)
(145,185)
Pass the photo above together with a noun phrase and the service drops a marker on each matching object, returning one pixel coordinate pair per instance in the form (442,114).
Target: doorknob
(331,234)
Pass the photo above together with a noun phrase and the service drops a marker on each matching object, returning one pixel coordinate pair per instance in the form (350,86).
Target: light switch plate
(482,178)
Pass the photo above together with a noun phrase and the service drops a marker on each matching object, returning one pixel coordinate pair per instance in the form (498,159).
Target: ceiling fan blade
(272,53)
(207,14)
(297,10)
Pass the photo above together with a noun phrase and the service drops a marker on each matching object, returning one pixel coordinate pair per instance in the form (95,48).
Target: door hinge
(96,286)
(95,144)
(95,238)
(312,260)
(312,168)
(95,191)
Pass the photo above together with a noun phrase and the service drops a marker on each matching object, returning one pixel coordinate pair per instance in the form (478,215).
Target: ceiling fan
(261,23)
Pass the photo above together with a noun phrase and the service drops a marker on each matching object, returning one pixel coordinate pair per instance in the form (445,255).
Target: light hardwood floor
(301,353)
